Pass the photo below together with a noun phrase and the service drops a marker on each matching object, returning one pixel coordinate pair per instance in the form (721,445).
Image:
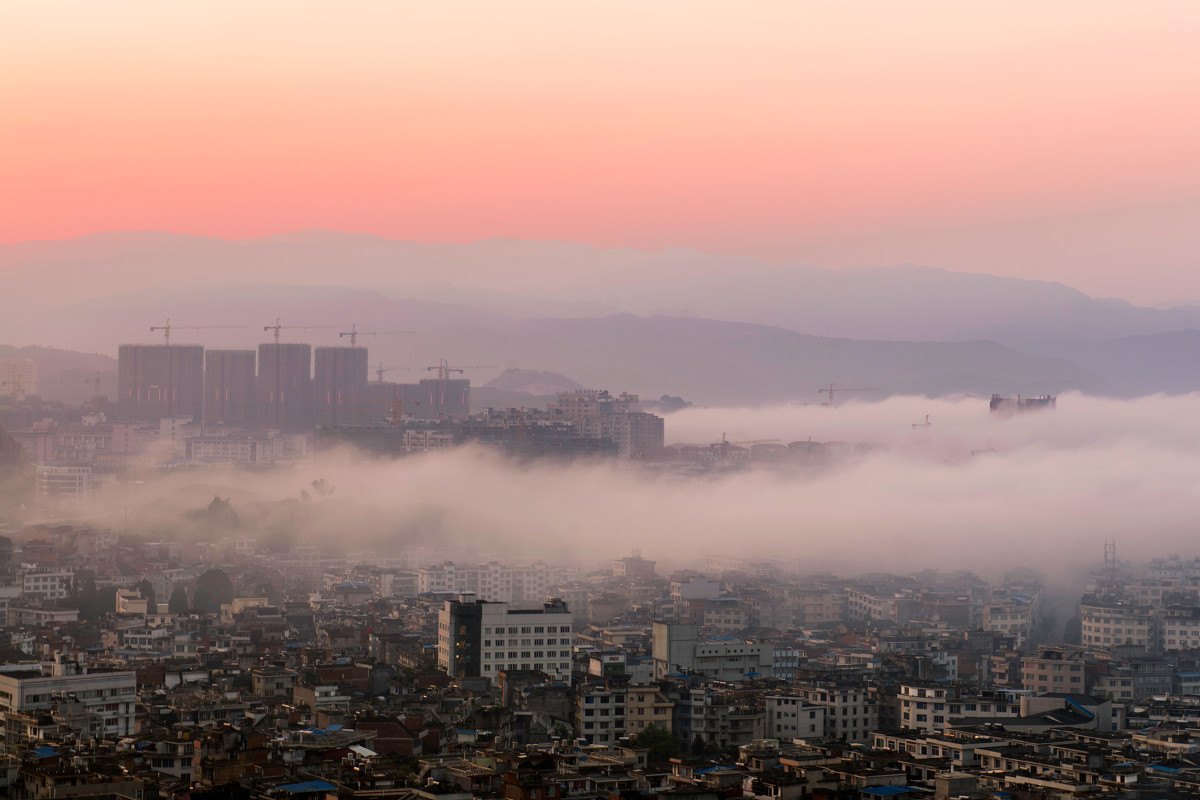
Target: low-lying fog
(1042,489)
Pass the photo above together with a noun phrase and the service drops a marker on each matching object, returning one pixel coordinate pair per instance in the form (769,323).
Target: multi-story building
(678,649)
(599,713)
(492,581)
(62,484)
(718,717)
(789,717)
(851,712)
(340,386)
(48,584)
(102,702)
(477,638)
(1009,616)
(646,706)
(598,415)
(1108,623)
(932,706)
(234,448)
(284,386)
(1055,669)
(229,390)
(155,381)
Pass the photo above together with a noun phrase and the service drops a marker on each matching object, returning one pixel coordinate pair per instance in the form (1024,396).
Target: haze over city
(633,401)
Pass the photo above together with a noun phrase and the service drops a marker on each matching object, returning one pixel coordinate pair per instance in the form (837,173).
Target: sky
(1042,140)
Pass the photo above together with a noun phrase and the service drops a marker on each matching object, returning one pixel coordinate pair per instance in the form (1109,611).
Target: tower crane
(725,444)
(444,369)
(277,327)
(168,327)
(354,333)
(382,369)
(96,383)
(833,390)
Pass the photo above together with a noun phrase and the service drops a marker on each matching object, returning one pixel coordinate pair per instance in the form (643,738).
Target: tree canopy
(212,589)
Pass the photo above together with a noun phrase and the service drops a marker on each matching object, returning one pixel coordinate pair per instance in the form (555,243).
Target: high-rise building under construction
(229,391)
(340,386)
(284,386)
(156,381)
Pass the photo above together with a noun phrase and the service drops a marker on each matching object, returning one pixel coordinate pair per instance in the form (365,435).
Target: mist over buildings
(968,491)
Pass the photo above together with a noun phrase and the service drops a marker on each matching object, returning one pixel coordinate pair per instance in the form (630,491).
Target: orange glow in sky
(769,128)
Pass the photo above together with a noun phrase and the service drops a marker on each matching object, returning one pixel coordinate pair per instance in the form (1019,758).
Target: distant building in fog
(340,386)
(1007,406)
(284,386)
(155,381)
(229,387)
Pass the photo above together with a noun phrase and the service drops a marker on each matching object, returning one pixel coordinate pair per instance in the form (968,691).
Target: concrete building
(105,701)
(599,713)
(234,448)
(789,718)
(598,415)
(284,386)
(1055,669)
(155,381)
(1109,623)
(851,713)
(678,649)
(646,706)
(229,390)
(492,581)
(477,638)
(340,386)
(435,398)
(48,584)
(56,484)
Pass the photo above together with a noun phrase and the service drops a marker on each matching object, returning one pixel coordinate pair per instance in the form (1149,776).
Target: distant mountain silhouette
(557,279)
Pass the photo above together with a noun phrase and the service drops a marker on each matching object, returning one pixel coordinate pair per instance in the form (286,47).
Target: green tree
(698,745)
(147,591)
(178,604)
(659,741)
(212,589)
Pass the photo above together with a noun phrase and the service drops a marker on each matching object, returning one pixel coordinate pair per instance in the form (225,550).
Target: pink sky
(1053,140)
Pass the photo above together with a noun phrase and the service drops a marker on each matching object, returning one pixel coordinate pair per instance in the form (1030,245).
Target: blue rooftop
(890,791)
(307,786)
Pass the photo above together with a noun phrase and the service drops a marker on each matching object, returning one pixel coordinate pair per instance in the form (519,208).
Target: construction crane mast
(168,327)
(95,382)
(835,390)
(277,327)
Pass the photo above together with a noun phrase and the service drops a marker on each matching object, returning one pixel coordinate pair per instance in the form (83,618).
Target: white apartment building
(107,700)
(850,712)
(58,483)
(789,717)
(677,648)
(600,714)
(493,582)
(47,584)
(1108,623)
(1180,628)
(478,638)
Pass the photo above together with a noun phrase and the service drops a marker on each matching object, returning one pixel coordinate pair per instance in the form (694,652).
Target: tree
(659,741)
(212,589)
(698,745)
(178,604)
(147,591)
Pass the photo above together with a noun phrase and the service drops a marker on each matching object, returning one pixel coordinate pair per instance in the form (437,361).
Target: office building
(155,381)
(481,639)
(229,388)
